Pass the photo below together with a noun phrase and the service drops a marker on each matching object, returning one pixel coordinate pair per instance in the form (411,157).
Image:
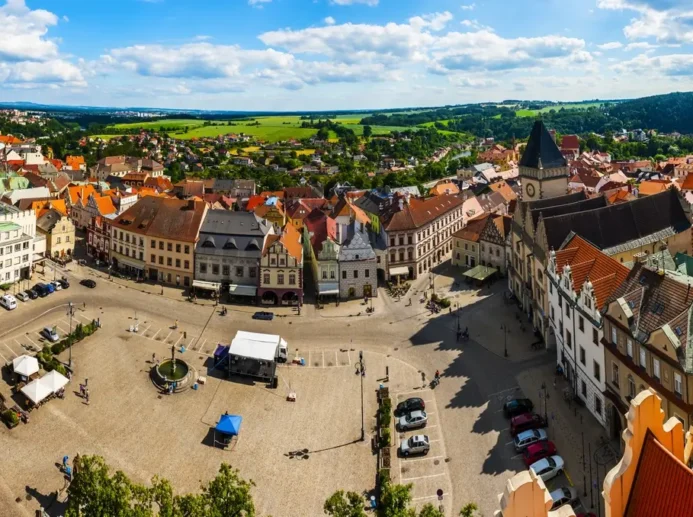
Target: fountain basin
(164,374)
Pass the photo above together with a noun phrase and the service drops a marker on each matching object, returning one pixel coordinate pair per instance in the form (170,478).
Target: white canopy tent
(54,380)
(35,391)
(25,365)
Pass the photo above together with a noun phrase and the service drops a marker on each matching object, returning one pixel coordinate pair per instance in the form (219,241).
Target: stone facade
(358,275)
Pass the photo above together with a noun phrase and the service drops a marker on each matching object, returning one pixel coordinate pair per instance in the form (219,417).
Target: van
(41,290)
(9,302)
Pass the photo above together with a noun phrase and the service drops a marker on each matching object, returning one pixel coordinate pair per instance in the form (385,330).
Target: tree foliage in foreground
(95,492)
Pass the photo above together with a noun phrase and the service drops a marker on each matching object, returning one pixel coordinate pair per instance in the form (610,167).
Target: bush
(386,438)
(444,302)
(58,367)
(10,417)
(383,477)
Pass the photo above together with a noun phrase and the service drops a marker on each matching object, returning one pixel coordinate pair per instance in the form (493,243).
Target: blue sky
(340,54)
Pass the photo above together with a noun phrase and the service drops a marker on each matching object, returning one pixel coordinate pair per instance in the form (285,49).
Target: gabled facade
(59,232)
(99,238)
(358,266)
(494,243)
(281,269)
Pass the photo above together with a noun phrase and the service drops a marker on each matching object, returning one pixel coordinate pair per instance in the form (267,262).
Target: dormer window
(588,302)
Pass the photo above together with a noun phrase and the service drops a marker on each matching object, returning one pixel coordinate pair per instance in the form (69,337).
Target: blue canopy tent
(228,427)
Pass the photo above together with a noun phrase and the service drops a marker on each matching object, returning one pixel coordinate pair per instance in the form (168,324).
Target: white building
(581,279)
(17,233)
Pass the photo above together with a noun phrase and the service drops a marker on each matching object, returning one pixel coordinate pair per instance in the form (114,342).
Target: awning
(25,365)
(54,380)
(401,270)
(209,286)
(328,288)
(35,391)
(129,262)
(480,272)
(242,290)
(229,425)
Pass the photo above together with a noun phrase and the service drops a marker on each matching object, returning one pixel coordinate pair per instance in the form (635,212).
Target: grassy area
(105,137)
(268,133)
(156,124)
(574,106)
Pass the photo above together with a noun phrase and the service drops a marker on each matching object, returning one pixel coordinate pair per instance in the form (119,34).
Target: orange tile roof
(472,232)
(663,486)
(588,263)
(291,239)
(254,202)
(74,161)
(80,193)
(446,187)
(9,139)
(105,205)
(648,188)
(687,182)
(504,189)
(42,206)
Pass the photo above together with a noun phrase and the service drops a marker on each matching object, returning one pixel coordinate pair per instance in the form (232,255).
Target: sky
(285,55)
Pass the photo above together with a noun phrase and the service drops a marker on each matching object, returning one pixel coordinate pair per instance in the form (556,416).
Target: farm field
(574,106)
(270,133)
(156,124)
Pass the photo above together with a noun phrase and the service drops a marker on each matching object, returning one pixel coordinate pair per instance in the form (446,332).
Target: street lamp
(504,328)
(70,312)
(362,372)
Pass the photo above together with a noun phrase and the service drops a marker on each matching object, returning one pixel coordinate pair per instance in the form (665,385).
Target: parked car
(417,444)
(548,468)
(50,288)
(525,422)
(50,334)
(23,296)
(42,290)
(88,283)
(516,407)
(56,285)
(64,283)
(538,451)
(409,405)
(263,315)
(564,495)
(412,420)
(8,301)
(527,438)
(32,293)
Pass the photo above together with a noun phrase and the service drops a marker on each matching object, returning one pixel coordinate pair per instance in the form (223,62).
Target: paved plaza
(144,433)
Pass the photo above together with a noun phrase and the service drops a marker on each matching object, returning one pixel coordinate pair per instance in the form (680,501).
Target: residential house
(59,232)
(228,252)
(17,235)
(581,281)
(570,146)
(113,166)
(498,155)
(358,267)
(273,211)
(321,233)
(493,203)
(649,188)
(281,269)
(76,198)
(444,187)
(495,242)
(75,163)
(99,238)
(298,209)
(466,249)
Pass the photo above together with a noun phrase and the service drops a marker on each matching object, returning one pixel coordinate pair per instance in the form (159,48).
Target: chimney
(191,204)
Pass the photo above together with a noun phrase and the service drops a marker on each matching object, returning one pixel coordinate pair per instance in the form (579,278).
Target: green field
(574,106)
(266,131)
(156,124)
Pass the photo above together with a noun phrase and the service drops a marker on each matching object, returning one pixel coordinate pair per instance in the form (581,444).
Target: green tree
(345,504)
(430,511)
(394,501)
(367,131)
(228,494)
(469,510)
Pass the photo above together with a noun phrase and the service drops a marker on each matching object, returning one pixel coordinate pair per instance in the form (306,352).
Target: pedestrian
(86,397)
(85,306)
(437,375)
(153,357)
(65,459)
(81,390)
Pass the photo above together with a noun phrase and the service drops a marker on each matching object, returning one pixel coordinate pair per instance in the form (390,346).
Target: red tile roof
(663,486)
(418,213)
(687,182)
(472,232)
(570,142)
(589,263)
(647,188)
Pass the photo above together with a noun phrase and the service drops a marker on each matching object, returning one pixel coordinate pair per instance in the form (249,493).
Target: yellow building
(59,231)
(281,269)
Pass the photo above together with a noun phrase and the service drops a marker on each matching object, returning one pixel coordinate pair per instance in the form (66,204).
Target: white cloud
(258,3)
(474,24)
(640,45)
(371,3)
(669,21)
(435,21)
(329,20)
(469,7)
(474,82)
(672,65)
(611,45)
(202,37)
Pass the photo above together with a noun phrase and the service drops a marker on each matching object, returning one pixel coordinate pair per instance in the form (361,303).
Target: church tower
(544,170)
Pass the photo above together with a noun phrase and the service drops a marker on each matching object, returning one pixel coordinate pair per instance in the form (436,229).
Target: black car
(88,283)
(263,315)
(41,290)
(409,405)
(64,283)
(516,407)
(32,293)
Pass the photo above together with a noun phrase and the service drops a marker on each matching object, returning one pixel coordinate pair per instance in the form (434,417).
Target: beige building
(281,269)
(155,239)
(466,248)
(59,232)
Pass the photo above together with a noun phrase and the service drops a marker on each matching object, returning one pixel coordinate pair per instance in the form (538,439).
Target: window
(251,272)
(141,242)
(581,323)
(392,258)
(161,245)
(215,269)
(324,274)
(583,389)
(553,314)
(614,373)
(560,327)
(177,248)
(568,339)
(153,244)
(153,261)
(582,356)
(226,270)
(344,274)
(392,241)
(161,260)
(187,250)
(169,261)
(550,288)
(57,240)
(401,240)
(677,384)
(410,254)
(239,270)
(67,239)
(280,278)
(409,239)
(560,301)
(643,357)
(597,404)
(266,278)
(631,387)
(332,275)
(595,336)
(368,273)
(401,255)
(203,267)
(177,262)
(356,273)
(588,304)
(629,348)
(186,265)
(567,310)
(292,279)
(614,335)
(169,246)
(282,261)
(273,261)
(655,367)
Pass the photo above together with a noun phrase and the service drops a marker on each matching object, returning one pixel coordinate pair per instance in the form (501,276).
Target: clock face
(530,190)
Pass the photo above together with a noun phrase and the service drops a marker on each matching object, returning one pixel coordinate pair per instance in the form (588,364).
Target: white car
(562,496)
(418,444)
(412,420)
(527,438)
(23,296)
(9,302)
(57,285)
(548,468)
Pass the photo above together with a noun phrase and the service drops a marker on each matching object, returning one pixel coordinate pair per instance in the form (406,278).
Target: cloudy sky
(340,54)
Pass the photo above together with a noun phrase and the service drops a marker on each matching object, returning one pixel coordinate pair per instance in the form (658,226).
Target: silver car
(562,496)
(418,444)
(412,420)
(527,438)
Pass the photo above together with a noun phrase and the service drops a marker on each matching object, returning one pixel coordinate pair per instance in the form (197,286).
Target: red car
(526,422)
(538,451)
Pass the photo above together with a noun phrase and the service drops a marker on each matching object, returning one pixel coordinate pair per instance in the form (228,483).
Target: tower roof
(541,151)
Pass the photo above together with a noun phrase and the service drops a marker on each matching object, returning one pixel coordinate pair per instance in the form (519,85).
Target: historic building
(281,269)
(59,232)
(544,170)
(358,269)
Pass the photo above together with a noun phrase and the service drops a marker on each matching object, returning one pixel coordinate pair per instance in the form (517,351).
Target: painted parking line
(407,460)
(503,391)
(568,478)
(4,358)
(423,390)
(62,329)
(11,351)
(323,359)
(404,480)
(202,345)
(434,496)
(32,341)
(179,338)
(154,336)
(167,336)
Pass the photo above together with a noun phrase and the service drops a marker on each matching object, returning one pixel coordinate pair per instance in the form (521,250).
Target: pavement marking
(503,391)
(4,358)
(145,330)
(502,430)
(412,391)
(433,441)
(349,356)
(202,345)
(423,459)
(11,351)
(430,426)
(166,338)
(336,358)
(61,329)
(323,359)
(512,441)
(568,478)
(516,456)
(32,341)
(424,477)
(434,496)
(308,363)
(154,336)
(181,337)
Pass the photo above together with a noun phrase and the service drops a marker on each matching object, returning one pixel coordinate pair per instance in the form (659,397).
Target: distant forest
(664,113)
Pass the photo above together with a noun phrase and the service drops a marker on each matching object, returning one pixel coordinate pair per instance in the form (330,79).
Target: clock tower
(544,170)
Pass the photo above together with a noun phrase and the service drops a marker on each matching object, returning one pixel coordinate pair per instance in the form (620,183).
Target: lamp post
(584,475)
(362,372)
(504,328)
(70,311)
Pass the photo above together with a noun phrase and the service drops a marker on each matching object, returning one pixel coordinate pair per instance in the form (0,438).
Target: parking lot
(428,473)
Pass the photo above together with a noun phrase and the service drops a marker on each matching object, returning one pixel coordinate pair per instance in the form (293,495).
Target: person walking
(65,460)
(153,357)
(86,397)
